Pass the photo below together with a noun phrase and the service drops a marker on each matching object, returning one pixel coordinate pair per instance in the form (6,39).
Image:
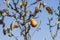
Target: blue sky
(43,16)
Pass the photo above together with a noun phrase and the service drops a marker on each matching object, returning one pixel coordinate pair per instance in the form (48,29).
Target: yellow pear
(33,22)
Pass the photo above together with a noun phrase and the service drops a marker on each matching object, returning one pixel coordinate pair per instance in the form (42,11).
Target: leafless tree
(27,23)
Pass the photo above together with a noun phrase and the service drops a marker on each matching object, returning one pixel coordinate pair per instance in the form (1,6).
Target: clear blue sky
(43,16)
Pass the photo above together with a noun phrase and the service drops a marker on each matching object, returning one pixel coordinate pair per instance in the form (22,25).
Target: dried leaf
(37,10)
(21,4)
(12,24)
(59,19)
(1,13)
(16,26)
(1,21)
(49,10)
(9,32)
(6,12)
(4,30)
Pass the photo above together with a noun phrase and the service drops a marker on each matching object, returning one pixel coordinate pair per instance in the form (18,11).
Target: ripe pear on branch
(33,22)
(49,10)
